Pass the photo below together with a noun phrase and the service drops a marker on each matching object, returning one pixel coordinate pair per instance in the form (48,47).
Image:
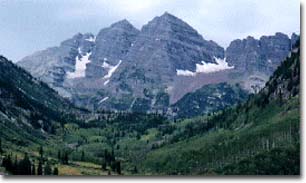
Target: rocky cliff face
(54,65)
(111,45)
(258,59)
(123,68)
(263,55)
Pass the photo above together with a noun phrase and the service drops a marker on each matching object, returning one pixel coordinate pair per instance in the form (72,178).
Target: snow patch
(111,68)
(106,82)
(212,67)
(91,39)
(103,100)
(80,66)
(106,65)
(204,67)
(185,73)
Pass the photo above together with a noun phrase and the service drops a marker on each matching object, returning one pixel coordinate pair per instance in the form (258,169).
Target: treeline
(26,166)
(110,160)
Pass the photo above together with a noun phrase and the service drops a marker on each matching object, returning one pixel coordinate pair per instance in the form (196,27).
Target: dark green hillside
(209,98)
(258,137)
(27,106)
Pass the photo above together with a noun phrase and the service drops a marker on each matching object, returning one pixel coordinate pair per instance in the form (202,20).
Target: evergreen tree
(33,169)
(16,168)
(59,156)
(1,150)
(113,155)
(103,165)
(118,167)
(138,136)
(40,168)
(107,158)
(83,156)
(66,158)
(280,97)
(48,169)
(55,171)
(24,166)
(135,170)
(113,166)
(41,152)
(7,163)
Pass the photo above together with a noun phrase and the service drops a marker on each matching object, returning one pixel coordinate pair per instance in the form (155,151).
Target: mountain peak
(122,24)
(168,15)
(166,22)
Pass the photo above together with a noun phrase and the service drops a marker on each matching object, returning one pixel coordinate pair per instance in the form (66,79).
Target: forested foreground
(258,137)
(268,143)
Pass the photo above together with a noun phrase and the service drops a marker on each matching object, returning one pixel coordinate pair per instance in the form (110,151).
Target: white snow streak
(103,100)
(91,39)
(184,73)
(206,68)
(111,68)
(106,82)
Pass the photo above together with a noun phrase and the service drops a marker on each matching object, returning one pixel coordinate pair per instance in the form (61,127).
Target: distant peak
(168,15)
(250,38)
(281,35)
(78,36)
(294,34)
(122,23)
(168,18)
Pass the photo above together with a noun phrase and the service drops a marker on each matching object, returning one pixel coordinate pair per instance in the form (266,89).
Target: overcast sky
(30,25)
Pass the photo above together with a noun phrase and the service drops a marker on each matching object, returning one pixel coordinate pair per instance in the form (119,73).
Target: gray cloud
(30,25)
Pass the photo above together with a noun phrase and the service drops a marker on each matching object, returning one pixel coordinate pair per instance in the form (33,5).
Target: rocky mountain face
(123,68)
(55,65)
(258,59)
(165,48)
(111,45)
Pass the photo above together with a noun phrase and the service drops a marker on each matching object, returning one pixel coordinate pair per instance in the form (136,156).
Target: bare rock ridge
(122,68)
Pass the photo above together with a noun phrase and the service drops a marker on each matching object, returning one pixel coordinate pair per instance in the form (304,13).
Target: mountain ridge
(123,62)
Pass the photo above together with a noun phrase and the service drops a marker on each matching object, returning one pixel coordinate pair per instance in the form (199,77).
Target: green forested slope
(209,98)
(29,109)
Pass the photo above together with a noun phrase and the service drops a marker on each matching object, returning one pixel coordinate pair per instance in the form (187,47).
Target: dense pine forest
(51,137)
